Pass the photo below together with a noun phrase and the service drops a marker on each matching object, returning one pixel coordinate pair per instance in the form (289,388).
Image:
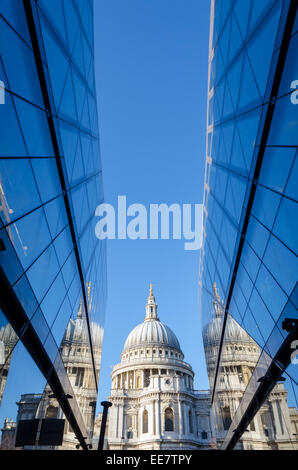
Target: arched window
(145,421)
(169,419)
(226,417)
(52,411)
(190,422)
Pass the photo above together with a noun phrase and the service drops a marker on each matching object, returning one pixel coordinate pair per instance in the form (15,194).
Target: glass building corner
(248,262)
(53,268)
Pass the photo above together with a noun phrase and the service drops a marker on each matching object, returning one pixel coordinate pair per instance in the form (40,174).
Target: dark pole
(106,405)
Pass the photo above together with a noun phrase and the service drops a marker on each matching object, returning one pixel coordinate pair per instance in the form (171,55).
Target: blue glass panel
(272,295)
(282,263)
(24,231)
(223,270)
(13,144)
(63,245)
(248,128)
(68,104)
(18,188)
(286,224)
(35,128)
(235,195)
(47,178)
(228,237)
(57,62)
(40,325)
(69,270)
(241,10)
(78,171)
(265,206)
(25,84)
(70,142)
(262,316)
(72,22)
(235,39)
(56,215)
(239,298)
(227,137)
(41,274)
(258,10)
(80,91)
(276,167)
(292,188)
(237,156)
(257,236)
(234,311)
(60,323)
(55,13)
(78,55)
(252,327)
(12,270)
(14,13)
(260,47)
(53,300)
(245,283)
(224,42)
(249,95)
(26,296)
(233,77)
(290,72)
(250,261)
(284,126)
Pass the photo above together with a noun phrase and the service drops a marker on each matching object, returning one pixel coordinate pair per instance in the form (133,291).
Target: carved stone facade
(154,403)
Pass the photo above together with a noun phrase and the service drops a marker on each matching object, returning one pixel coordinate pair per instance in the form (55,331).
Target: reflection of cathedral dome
(233,332)
(151,332)
(76,332)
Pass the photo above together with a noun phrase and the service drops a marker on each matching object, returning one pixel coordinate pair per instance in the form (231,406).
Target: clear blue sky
(151,67)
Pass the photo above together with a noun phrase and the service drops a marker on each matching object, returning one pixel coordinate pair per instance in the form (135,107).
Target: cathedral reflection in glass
(248,263)
(53,269)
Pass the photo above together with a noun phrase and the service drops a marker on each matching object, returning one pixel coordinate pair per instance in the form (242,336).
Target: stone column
(180,411)
(211,424)
(194,421)
(134,380)
(275,418)
(150,418)
(120,421)
(116,420)
(185,414)
(154,417)
(158,421)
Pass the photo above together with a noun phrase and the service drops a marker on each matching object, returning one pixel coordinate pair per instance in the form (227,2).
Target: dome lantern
(151,307)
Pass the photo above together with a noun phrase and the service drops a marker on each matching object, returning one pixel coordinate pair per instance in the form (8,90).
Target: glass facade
(248,262)
(53,268)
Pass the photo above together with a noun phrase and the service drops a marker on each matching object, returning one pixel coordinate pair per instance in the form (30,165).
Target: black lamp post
(106,405)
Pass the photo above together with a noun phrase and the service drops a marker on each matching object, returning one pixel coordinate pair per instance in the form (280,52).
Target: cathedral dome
(152,332)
